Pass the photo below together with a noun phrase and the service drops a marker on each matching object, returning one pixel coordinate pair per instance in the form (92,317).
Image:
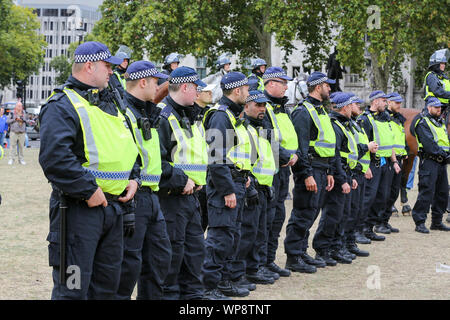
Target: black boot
(325,256)
(259,278)
(394,211)
(421,228)
(439,226)
(230,290)
(296,264)
(361,238)
(339,257)
(346,253)
(353,248)
(269,273)
(214,294)
(368,232)
(381,228)
(277,269)
(393,230)
(242,282)
(311,261)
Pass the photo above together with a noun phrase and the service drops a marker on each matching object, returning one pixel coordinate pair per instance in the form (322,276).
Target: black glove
(270,194)
(129,224)
(252,197)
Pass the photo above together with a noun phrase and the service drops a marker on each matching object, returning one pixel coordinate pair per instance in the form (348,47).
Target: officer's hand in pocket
(230,200)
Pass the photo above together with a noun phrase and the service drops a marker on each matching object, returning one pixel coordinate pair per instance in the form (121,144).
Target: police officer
(355,224)
(401,152)
(375,121)
(434,155)
(147,253)
(278,119)
(437,84)
(312,174)
(329,237)
(255,80)
(88,154)
(223,63)
(228,170)
(184,161)
(253,243)
(118,80)
(171,62)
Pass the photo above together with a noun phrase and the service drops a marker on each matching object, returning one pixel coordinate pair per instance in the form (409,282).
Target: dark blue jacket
(424,134)
(341,175)
(435,85)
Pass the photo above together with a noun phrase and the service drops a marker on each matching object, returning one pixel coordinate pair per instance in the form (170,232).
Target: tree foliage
(22,50)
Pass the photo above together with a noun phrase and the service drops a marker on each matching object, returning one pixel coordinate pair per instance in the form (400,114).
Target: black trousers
(396,183)
(356,221)
(433,192)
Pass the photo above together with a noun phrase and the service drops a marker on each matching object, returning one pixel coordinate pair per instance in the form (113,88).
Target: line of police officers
(131,173)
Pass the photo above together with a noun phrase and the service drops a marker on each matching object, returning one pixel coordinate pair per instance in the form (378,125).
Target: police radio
(146,128)
(93,97)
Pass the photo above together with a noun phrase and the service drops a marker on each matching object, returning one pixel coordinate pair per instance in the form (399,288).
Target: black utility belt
(239,174)
(313,158)
(146,189)
(438,159)
(111,197)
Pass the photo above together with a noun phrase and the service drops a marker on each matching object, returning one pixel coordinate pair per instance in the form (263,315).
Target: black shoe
(318,263)
(230,290)
(269,273)
(393,230)
(394,210)
(439,226)
(353,248)
(382,229)
(361,238)
(259,278)
(421,228)
(296,264)
(339,257)
(242,282)
(325,256)
(214,294)
(346,253)
(373,236)
(277,269)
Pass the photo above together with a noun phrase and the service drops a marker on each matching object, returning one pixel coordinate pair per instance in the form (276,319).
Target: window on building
(43,81)
(63,26)
(49,12)
(68,39)
(37,12)
(50,38)
(201,67)
(51,25)
(42,94)
(45,25)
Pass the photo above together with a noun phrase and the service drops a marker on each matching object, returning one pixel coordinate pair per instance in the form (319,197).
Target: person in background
(17,122)
(3,126)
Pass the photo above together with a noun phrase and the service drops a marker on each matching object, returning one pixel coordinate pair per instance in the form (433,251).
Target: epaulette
(166,112)
(222,108)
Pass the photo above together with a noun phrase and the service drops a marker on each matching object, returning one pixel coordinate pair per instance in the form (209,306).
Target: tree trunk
(380,81)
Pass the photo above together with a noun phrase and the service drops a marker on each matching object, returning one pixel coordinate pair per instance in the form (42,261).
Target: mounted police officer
(255,79)
(312,173)
(228,171)
(433,142)
(88,154)
(118,79)
(171,62)
(184,162)
(254,237)
(376,123)
(147,253)
(278,119)
(401,152)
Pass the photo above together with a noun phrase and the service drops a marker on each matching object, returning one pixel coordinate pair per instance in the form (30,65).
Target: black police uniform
(377,189)
(306,204)
(94,235)
(329,236)
(224,223)
(147,254)
(435,85)
(182,214)
(114,82)
(433,181)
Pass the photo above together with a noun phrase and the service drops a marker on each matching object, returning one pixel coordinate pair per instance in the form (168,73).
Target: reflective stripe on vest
(383,135)
(265,167)
(261,85)
(284,130)
(191,154)
(150,153)
(122,81)
(439,135)
(399,138)
(445,84)
(325,142)
(361,137)
(352,155)
(109,147)
(2,152)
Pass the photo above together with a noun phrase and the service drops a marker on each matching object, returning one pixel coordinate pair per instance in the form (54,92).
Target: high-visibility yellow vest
(445,84)
(191,153)
(150,153)
(284,131)
(2,152)
(325,143)
(264,168)
(440,135)
(109,147)
(352,156)
(399,144)
(361,137)
(240,153)
(384,137)
(122,81)
(261,85)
